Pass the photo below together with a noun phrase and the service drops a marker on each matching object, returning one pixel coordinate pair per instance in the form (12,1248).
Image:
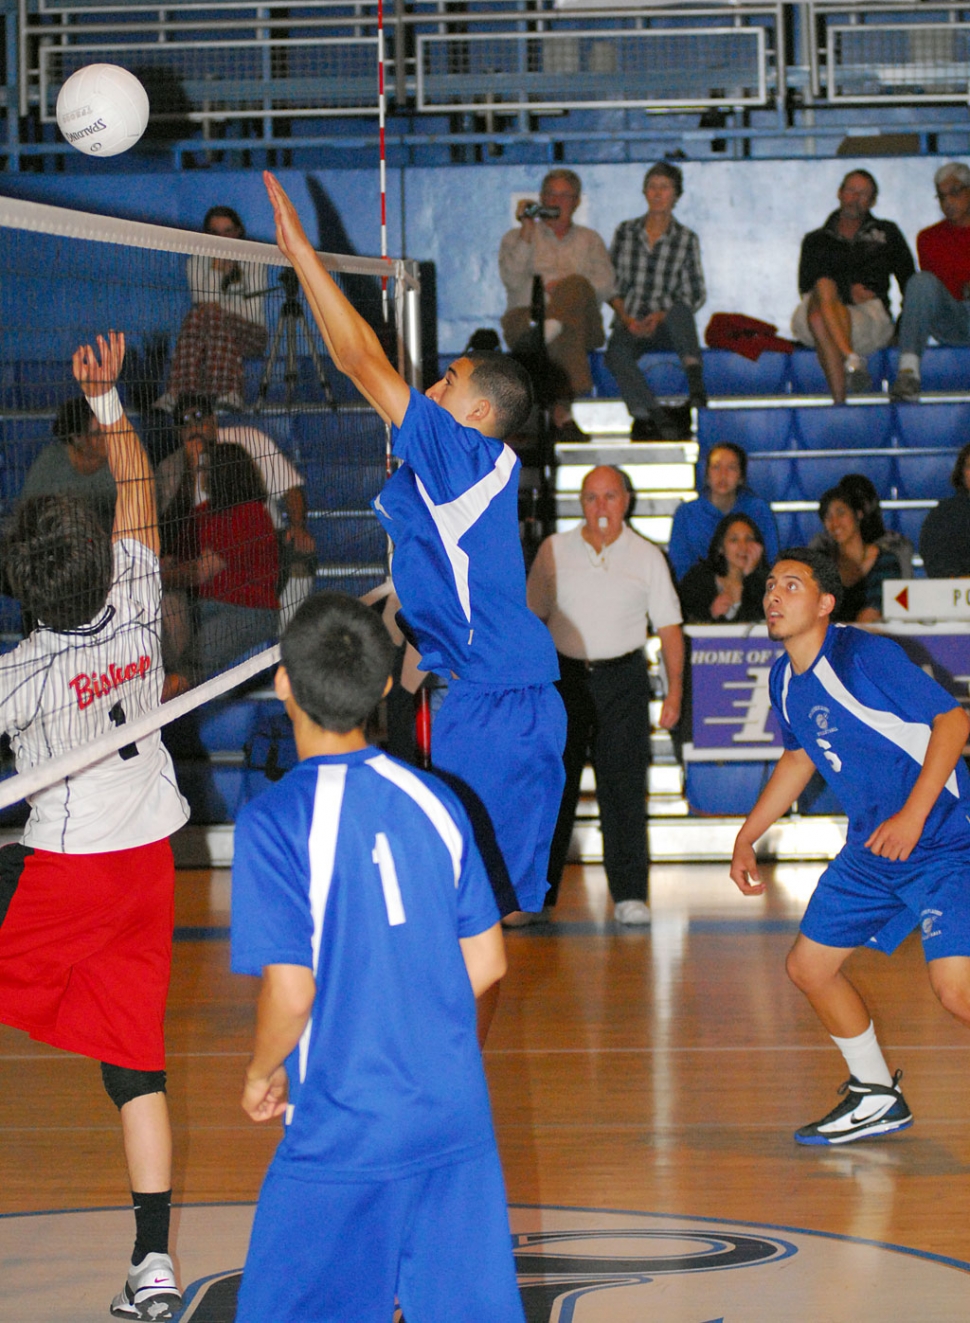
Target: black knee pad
(122,1084)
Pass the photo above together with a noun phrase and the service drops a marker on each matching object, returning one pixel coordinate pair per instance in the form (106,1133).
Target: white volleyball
(102,110)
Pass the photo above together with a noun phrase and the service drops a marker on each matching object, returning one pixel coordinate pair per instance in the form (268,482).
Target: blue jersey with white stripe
(366,872)
(452,511)
(863,712)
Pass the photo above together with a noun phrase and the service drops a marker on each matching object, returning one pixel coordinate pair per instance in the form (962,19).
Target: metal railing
(880,54)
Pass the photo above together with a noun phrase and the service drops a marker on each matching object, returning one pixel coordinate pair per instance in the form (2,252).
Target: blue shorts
(862,900)
(340,1253)
(505,746)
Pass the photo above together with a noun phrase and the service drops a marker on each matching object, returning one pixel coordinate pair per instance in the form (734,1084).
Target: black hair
(824,570)
(957,477)
(865,175)
(739,454)
(869,528)
(862,496)
(506,385)
(338,655)
(190,399)
(57,557)
(227,213)
(715,552)
(234,478)
(668,171)
(73,418)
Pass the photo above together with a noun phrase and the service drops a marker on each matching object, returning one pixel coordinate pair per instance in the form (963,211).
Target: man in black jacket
(843,277)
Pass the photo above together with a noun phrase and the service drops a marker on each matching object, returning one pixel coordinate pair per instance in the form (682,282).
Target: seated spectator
(199,427)
(944,539)
(577,278)
(861,494)
(729,584)
(863,566)
(843,277)
(659,287)
(937,296)
(724,492)
(223,326)
(227,556)
(76,463)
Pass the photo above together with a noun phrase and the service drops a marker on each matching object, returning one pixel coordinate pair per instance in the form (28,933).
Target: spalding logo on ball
(102,110)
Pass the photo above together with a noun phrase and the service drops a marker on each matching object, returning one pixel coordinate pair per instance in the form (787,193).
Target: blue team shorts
(861,900)
(339,1253)
(505,746)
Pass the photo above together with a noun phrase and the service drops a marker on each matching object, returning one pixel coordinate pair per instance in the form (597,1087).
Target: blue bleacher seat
(727,373)
(751,429)
(805,373)
(933,425)
(796,528)
(943,367)
(772,477)
(727,789)
(816,473)
(908,522)
(925,475)
(844,427)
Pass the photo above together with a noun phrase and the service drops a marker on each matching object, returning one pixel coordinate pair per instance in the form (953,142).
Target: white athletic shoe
(632,913)
(151,1291)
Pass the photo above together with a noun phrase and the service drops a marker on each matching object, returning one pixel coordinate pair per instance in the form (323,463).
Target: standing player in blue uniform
(888,740)
(451,510)
(359,896)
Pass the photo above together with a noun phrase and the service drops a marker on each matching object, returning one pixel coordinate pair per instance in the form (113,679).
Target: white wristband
(106,408)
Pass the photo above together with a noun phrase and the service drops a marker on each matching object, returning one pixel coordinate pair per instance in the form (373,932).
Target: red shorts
(86,950)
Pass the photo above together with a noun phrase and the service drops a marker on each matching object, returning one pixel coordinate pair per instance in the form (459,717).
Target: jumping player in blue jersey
(360,898)
(889,741)
(451,510)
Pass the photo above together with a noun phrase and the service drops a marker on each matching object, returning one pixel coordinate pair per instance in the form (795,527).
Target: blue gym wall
(750,216)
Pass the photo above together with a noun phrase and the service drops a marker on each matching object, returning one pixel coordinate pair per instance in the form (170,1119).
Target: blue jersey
(365,871)
(452,511)
(863,713)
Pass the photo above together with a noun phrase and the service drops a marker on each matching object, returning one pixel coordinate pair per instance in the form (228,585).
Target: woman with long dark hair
(729,584)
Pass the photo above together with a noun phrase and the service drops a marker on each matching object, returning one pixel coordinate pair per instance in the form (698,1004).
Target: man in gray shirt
(577,277)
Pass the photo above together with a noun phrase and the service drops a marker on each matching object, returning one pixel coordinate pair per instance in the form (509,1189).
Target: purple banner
(732,718)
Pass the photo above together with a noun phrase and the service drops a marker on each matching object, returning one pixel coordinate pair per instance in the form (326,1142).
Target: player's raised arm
(896,838)
(354,348)
(792,774)
(96,372)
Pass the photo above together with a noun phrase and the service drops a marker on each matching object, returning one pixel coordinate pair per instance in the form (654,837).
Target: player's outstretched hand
(897,837)
(290,235)
(744,869)
(95,375)
(265,1098)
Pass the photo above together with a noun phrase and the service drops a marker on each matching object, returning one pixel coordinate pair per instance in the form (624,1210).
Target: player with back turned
(889,741)
(451,510)
(359,897)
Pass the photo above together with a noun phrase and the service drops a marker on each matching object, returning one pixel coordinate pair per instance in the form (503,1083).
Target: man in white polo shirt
(595,588)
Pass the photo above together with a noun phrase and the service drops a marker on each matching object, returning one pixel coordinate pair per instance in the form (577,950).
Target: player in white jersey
(889,741)
(87,899)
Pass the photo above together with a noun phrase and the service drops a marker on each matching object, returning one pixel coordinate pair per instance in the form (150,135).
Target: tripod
(291,318)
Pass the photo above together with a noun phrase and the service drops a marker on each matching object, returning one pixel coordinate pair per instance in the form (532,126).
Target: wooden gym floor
(645,1087)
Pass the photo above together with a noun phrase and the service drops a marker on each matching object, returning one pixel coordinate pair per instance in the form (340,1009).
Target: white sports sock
(864,1057)
(909,363)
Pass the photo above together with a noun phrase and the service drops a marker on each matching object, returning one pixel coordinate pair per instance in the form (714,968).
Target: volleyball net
(265,456)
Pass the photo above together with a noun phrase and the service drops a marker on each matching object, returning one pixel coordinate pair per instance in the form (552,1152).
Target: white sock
(864,1057)
(551,329)
(909,363)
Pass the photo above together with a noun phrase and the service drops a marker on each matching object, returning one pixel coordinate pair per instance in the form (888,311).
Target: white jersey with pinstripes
(365,871)
(62,689)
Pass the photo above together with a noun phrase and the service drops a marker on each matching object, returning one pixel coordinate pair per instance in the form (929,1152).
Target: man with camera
(577,277)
